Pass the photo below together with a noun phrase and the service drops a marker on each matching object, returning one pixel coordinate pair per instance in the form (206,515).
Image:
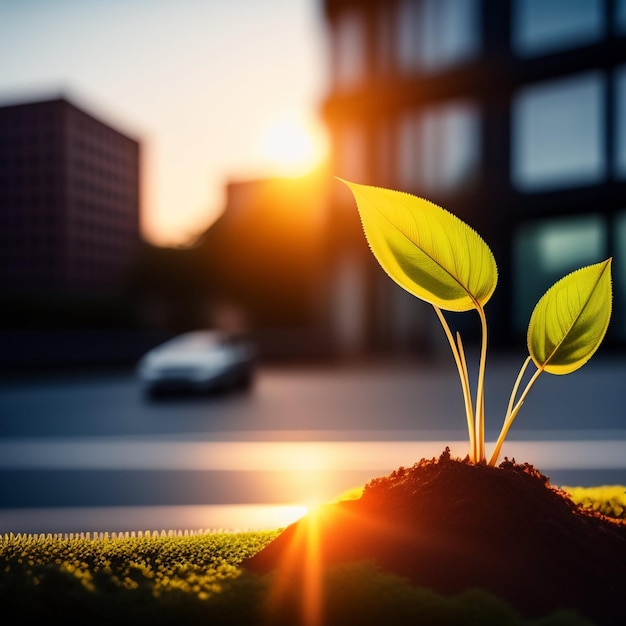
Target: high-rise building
(69,200)
(509,113)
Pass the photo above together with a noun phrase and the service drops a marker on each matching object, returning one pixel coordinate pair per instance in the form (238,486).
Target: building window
(349,49)
(409,157)
(545,251)
(409,35)
(451,149)
(619,166)
(433,35)
(384,39)
(620,17)
(349,304)
(351,150)
(545,26)
(439,148)
(619,273)
(557,134)
(384,163)
(453,32)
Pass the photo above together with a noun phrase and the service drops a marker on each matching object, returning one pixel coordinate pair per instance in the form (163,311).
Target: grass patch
(194,578)
(152,578)
(610,500)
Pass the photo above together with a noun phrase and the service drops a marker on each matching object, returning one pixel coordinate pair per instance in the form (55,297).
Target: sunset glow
(206,92)
(293,144)
(298,578)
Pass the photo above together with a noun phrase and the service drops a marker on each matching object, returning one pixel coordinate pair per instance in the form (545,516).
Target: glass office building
(509,113)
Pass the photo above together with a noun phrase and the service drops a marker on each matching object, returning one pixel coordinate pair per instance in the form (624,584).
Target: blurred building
(509,113)
(69,200)
(264,265)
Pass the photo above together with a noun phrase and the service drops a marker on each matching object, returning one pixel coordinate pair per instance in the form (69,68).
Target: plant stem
(461,364)
(480,389)
(518,381)
(512,413)
(467,395)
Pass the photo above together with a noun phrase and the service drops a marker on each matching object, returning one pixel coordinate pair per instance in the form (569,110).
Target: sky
(208,87)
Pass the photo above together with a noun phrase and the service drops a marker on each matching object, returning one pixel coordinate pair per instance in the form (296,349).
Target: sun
(292,144)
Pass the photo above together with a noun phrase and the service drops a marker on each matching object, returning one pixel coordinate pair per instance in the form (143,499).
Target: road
(91,453)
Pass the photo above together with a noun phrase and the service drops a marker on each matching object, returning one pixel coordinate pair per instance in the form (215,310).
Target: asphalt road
(91,452)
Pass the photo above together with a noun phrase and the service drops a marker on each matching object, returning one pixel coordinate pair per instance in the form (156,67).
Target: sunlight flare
(293,144)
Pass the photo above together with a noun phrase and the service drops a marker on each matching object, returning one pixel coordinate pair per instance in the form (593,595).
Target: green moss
(610,500)
(160,579)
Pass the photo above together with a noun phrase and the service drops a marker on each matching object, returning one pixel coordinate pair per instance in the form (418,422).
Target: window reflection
(384,38)
(435,34)
(619,273)
(439,148)
(620,123)
(453,30)
(349,292)
(546,251)
(620,16)
(383,154)
(451,147)
(557,134)
(409,154)
(409,34)
(350,151)
(543,26)
(349,49)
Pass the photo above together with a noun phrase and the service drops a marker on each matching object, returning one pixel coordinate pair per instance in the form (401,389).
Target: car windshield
(199,342)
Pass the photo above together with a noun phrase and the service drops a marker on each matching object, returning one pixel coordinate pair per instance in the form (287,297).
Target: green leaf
(571,319)
(425,249)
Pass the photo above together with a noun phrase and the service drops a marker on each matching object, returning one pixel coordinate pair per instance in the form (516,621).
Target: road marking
(124,454)
(233,518)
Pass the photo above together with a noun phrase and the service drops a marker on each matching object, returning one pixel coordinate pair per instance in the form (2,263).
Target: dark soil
(451,525)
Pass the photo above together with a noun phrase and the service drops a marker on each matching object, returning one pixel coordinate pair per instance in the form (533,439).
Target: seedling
(440,259)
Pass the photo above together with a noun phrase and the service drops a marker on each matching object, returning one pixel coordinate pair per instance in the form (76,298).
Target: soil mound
(450,525)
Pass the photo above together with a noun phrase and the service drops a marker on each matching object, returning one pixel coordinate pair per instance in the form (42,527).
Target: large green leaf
(425,249)
(571,319)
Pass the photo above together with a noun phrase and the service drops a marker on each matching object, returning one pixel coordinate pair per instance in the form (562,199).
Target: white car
(199,361)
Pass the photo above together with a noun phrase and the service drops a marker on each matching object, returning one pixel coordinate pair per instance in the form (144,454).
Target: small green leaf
(425,249)
(571,319)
